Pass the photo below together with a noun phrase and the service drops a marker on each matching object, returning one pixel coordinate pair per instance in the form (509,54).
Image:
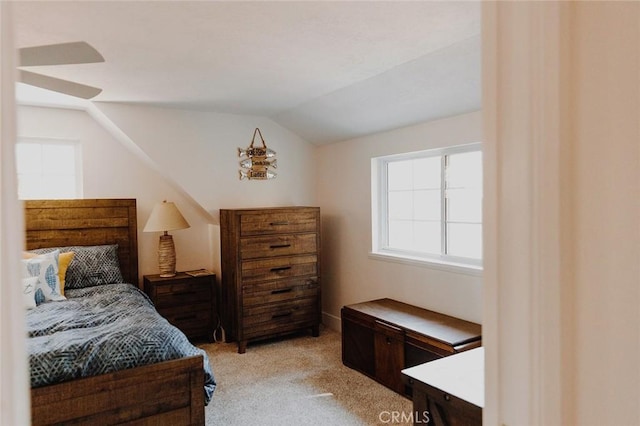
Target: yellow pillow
(63,263)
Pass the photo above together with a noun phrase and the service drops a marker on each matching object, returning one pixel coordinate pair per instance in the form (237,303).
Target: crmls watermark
(398,417)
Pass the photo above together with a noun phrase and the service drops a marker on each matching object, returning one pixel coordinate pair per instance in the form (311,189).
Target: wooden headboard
(59,223)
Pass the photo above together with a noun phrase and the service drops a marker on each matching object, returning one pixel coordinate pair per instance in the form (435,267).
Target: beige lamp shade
(166,217)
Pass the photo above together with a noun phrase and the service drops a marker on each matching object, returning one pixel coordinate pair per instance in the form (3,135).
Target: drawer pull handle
(280,268)
(280,223)
(187,317)
(275,246)
(282,315)
(283,290)
(183,293)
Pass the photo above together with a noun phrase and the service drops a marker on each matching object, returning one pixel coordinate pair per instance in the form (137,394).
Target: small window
(48,169)
(427,206)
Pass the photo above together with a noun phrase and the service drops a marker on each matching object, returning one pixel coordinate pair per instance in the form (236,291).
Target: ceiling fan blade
(58,85)
(78,52)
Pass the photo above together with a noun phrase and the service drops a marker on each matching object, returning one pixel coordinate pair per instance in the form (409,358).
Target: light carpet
(296,381)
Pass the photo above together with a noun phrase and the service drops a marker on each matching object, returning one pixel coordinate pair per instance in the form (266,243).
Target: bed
(156,377)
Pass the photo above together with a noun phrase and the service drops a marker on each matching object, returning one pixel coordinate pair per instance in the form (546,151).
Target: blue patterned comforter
(99,330)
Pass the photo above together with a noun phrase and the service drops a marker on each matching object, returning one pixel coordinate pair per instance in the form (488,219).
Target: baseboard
(331,321)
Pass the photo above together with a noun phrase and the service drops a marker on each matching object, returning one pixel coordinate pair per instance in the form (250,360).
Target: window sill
(459,268)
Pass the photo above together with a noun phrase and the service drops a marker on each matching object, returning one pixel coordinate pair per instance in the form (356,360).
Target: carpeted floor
(295,381)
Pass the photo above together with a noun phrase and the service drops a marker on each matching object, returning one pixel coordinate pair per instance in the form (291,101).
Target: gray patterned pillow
(91,265)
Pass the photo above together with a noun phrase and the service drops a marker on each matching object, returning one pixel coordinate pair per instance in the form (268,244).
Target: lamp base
(166,256)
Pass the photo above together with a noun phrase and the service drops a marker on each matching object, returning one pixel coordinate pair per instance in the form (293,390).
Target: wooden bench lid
(450,330)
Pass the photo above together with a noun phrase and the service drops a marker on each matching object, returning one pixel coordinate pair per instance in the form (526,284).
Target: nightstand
(187,302)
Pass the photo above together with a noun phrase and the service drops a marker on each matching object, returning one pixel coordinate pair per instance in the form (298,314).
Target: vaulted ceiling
(326,70)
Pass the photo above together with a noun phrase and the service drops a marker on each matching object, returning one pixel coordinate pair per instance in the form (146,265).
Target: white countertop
(460,375)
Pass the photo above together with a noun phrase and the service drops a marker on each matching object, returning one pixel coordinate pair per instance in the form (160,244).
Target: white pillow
(29,291)
(45,268)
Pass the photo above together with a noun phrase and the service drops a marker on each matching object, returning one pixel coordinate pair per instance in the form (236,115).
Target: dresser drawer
(275,328)
(279,291)
(181,294)
(285,311)
(279,267)
(278,222)
(279,318)
(278,245)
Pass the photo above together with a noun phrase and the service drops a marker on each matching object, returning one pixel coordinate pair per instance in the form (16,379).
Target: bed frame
(166,393)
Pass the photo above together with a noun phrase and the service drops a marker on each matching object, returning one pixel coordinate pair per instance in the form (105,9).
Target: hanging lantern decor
(259,160)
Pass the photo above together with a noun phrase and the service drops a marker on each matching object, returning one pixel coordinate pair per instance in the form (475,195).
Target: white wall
(111,171)
(344,195)
(198,153)
(562,191)
(604,232)
(198,150)
(182,156)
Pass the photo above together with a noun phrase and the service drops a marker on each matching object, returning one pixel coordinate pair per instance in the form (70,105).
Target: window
(48,169)
(427,206)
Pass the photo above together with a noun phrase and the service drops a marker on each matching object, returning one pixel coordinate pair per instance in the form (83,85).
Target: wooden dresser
(382,337)
(270,272)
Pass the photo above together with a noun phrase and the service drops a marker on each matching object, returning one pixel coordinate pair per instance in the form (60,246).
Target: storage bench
(382,337)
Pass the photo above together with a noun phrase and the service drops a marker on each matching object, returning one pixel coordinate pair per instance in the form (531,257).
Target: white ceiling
(328,71)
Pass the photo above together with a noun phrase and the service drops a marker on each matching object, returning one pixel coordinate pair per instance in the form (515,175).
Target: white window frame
(77,146)
(379,211)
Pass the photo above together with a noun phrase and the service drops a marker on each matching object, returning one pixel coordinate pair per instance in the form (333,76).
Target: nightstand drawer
(189,316)
(278,245)
(278,223)
(279,291)
(181,294)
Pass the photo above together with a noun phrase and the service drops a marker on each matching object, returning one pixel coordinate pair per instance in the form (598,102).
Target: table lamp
(166,217)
